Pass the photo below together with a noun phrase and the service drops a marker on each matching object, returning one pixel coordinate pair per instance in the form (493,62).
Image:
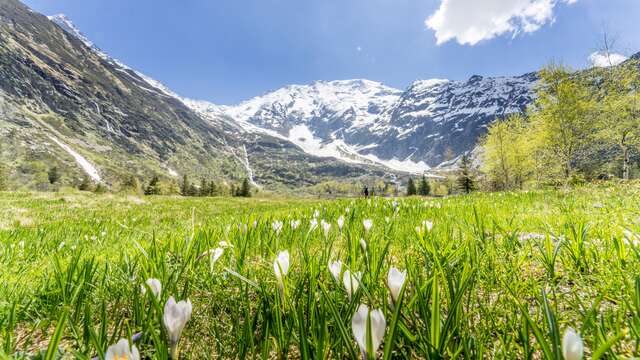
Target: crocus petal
(572,348)
(336,268)
(175,317)
(121,350)
(395,281)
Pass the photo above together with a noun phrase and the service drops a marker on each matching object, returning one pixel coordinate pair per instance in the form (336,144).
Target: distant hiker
(366,192)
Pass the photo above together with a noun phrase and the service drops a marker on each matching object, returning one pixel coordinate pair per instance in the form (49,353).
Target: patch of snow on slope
(303,138)
(401,165)
(84,163)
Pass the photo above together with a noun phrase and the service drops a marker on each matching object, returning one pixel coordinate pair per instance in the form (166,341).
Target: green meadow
(488,275)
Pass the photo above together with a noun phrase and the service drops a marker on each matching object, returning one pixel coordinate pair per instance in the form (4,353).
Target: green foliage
(53,175)
(424,189)
(131,184)
(100,188)
(466,179)
(508,158)
(153,188)
(245,188)
(411,188)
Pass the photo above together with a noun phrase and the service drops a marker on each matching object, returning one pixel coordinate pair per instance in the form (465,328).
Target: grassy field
(482,276)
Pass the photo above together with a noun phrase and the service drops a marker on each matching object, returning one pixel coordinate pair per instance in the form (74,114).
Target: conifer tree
(245,188)
(53,175)
(466,181)
(154,186)
(213,189)
(204,188)
(424,189)
(184,189)
(411,188)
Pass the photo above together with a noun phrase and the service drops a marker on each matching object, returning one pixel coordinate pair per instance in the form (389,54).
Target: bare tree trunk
(625,162)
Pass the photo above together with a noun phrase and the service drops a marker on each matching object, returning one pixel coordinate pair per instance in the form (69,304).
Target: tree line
(581,127)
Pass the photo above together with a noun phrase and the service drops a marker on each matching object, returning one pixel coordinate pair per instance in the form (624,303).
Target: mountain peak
(67,25)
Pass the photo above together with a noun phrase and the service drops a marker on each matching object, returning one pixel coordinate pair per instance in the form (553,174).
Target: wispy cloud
(472,21)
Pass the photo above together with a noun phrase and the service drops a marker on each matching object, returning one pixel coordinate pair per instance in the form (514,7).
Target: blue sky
(226,51)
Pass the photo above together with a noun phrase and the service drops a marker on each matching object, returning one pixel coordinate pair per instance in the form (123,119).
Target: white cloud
(471,21)
(600,59)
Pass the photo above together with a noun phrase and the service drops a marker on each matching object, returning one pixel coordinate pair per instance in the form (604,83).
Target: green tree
(131,183)
(153,188)
(185,188)
(245,188)
(466,180)
(423,188)
(213,188)
(508,158)
(53,175)
(619,109)
(411,188)
(203,191)
(561,121)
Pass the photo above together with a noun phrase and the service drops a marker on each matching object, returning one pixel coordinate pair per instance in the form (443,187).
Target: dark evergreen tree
(411,188)
(213,188)
(466,181)
(53,175)
(184,189)
(203,191)
(85,185)
(424,189)
(245,188)
(154,186)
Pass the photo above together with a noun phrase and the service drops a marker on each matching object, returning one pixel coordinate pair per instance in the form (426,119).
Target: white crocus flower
(155,285)
(367,323)
(122,351)
(336,268)
(395,281)
(175,317)
(340,222)
(368,224)
(215,254)
(428,225)
(313,224)
(347,210)
(351,282)
(363,245)
(295,224)
(223,244)
(326,227)
(572,348)
(277,226)
(316,214)
(281,268)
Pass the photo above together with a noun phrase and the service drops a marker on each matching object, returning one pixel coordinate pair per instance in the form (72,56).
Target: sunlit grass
(483,276)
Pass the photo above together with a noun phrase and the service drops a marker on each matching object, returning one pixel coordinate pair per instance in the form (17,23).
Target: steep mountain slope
(65,103)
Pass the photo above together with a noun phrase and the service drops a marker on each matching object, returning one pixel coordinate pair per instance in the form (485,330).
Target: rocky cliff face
(66,102)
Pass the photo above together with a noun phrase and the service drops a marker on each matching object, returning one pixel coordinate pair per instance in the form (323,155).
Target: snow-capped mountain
(365,121)
(362,121)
